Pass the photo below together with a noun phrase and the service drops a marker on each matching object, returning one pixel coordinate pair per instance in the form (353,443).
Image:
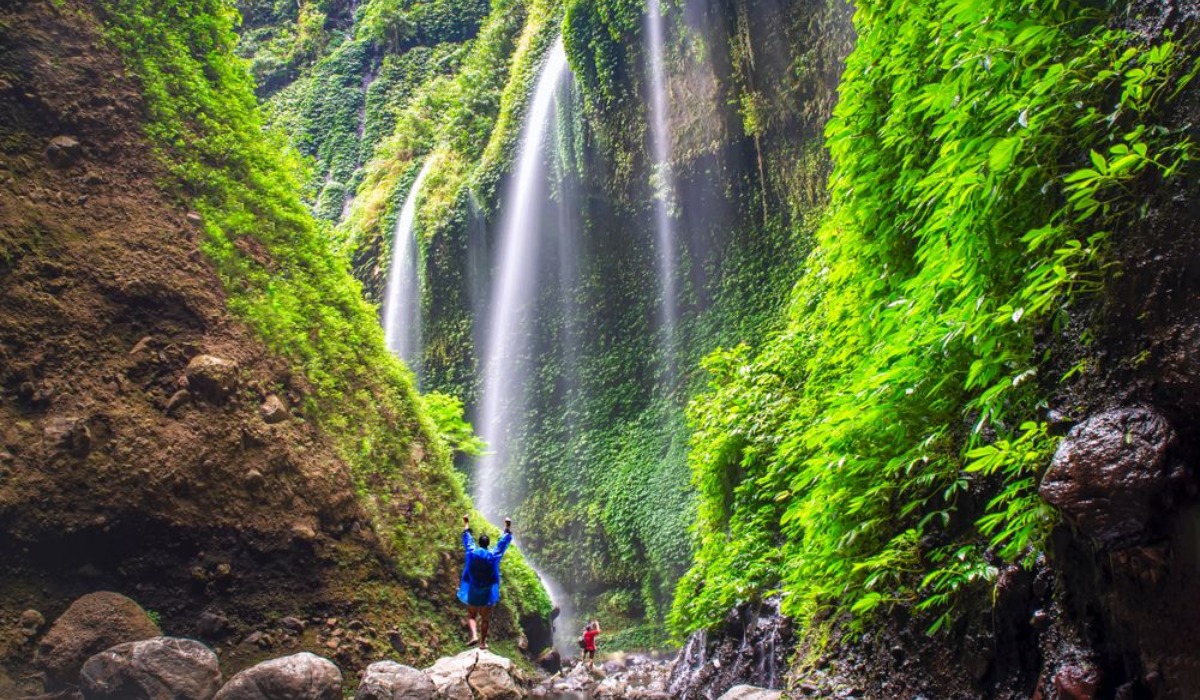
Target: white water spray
(402,299)
(663,183)
(506,348)
(513,291)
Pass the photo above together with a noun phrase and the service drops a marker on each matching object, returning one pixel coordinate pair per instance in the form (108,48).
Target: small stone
(32,620)
(303,532)
(224,569)
(141,345)
(273,410)
(63,152)
(178,399)
(214,378)
(396,640)
(194,217)
(254,480)
(331,622)
(332,644)
(70,434)
(292,624)
(1040,620)
(211,625)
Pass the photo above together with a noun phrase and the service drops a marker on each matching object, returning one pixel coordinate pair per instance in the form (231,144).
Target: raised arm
(467,540)
(505,539)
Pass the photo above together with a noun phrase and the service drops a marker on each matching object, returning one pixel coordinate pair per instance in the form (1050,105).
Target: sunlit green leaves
(979,163)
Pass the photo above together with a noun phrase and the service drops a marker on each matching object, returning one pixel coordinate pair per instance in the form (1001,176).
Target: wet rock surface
(162,668)
(91,624)
(622,676)
(1115,474)
(751,647)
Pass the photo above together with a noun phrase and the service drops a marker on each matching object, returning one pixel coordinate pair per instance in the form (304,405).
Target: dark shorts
(479,597)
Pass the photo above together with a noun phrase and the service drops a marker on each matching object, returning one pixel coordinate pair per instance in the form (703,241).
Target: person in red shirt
(589,642)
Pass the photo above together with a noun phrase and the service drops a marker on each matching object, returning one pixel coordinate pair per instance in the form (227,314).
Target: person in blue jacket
(479,589)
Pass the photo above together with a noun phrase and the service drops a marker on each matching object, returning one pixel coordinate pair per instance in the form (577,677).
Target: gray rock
(750,692)
(302,676)
(273,410)
(63,152)
(292,624)
(91,624)
(388,680)
(163,668)
(1114,474)
(474,675)
(213,378)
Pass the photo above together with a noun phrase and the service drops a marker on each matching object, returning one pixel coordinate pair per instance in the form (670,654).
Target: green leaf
(1003,153)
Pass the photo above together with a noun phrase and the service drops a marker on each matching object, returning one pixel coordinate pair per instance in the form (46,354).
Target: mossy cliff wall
(607,500)
(298,474)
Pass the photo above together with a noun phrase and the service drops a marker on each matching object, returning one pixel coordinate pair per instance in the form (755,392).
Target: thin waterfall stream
(511,314)
(663,185)
(402,299)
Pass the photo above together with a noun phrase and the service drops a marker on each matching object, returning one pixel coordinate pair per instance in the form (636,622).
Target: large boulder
(162,668)
(388,680)
(750,692)
(474,675)
(302,676)
(1114,474)
(93,623)
(213,378)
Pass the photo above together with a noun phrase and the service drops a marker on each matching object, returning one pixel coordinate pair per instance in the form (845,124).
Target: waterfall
(509,331)
(402,299)
(663,184)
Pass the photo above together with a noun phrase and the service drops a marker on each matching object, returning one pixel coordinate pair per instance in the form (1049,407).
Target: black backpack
(482,572)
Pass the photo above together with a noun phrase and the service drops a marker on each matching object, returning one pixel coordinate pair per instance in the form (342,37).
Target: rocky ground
(106,647)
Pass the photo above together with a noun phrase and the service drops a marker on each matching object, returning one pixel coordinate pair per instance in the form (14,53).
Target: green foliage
(401,24)
(281,38)
(981,152)
(447,414)
(598,34)
(292,291)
